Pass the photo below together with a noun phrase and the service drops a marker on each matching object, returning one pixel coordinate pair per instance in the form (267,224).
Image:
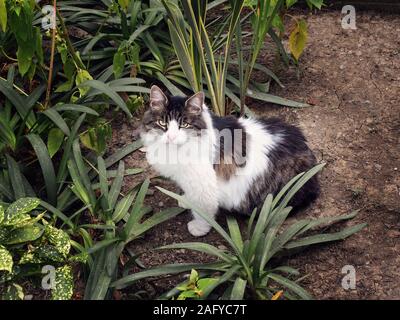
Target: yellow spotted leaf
(6,261)
(64,284)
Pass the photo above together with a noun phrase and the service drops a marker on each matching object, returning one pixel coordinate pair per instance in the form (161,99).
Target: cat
(223,163)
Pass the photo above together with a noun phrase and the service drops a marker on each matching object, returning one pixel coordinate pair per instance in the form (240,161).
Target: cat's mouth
(174,141)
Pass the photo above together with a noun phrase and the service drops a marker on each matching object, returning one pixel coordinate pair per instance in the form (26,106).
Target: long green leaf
(78,186)
(75,107)
(101,245)
(117,156)
(327,220)
(83,171)
(291,285)
(238,289)
(15,178)
(135,214)
(46,164)
(234,232)
(115,189)
(7,135)
(62,171)
(183,55)
(154,220)
(299,183)
(260,226)
(161,271)
(58,120)
(321,238)
(57,213)
(93,288)
(103,181)
(107,90)
(201,247)
(122,207)
(18,102)
(224,278)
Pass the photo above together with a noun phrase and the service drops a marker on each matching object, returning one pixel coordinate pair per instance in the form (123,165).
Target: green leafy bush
(28,242)
(17,19)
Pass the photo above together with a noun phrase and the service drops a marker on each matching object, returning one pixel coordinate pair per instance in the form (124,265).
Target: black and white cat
(223,162)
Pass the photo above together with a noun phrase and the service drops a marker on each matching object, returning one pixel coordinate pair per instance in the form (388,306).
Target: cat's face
(173,120)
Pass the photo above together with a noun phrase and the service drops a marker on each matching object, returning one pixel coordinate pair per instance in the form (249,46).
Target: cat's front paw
(198,228)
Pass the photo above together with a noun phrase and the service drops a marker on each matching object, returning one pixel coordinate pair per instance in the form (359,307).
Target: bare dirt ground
(353,79)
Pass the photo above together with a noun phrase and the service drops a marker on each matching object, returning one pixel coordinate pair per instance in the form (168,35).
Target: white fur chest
(182,163)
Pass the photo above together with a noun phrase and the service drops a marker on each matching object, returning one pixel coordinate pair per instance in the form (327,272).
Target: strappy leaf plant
(127,39)
(50,134)
(247,268)
(265,12)
(193,47)
(119,218)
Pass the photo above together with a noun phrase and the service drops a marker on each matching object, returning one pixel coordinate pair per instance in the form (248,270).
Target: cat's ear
(194,105)
(158,100)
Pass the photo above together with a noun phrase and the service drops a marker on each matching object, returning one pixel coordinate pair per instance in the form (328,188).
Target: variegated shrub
(27,243)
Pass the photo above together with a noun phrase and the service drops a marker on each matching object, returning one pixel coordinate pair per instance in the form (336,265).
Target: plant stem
(7,56)
(71,49)
(16,87)
(53,48)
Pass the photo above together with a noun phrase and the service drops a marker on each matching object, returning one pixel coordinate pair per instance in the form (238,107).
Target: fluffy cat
(223,162)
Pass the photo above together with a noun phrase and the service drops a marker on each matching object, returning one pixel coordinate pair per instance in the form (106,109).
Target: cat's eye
(162,123)
(185,125)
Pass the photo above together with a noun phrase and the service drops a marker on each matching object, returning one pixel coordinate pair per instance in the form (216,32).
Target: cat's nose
(171,136)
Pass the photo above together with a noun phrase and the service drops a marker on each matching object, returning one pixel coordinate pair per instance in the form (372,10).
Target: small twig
(53,48)
(7,56)
(16,87)
(70,46)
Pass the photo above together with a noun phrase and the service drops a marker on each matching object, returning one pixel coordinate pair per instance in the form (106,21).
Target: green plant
(120,220)
(105,214)
(267,19)
(28,241)
(193,46)
(127,39)
(194,287)
(13,182)
(247,268)
(22,121)
(298,35)
(59,197)
(16,112)
(17,17)
(95,138)
(262,20)
(42,131)
(204,50)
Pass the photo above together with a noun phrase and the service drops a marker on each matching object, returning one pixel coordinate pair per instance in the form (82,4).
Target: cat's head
(173,119)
